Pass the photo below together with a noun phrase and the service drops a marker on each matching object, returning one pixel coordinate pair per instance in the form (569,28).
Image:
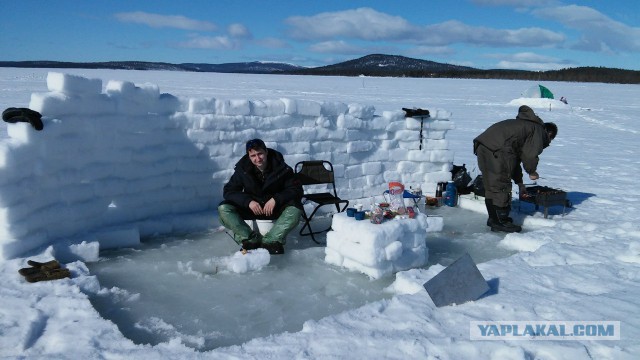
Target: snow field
(585,266)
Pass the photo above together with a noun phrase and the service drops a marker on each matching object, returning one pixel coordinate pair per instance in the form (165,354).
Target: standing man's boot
(501,221)
(492,214)
(275,239)
(242,233)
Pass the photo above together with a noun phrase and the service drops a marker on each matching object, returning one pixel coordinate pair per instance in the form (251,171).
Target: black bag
(461,179)
(477,186)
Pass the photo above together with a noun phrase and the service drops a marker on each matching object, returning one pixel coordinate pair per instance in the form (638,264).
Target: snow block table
(377,249)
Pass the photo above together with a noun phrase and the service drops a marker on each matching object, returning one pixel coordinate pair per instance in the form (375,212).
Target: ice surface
(208,298)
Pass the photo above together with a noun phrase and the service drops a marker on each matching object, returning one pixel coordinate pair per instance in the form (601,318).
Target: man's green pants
(231,219)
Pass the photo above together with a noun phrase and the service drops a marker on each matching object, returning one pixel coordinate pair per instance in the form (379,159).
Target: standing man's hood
(526,113)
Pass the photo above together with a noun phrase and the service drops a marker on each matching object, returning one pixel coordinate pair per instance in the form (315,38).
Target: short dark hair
(256,144)
(552,129)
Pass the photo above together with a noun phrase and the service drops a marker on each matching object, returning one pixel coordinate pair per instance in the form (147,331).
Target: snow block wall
(128,162)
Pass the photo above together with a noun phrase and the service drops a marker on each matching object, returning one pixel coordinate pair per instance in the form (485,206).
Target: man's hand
(269,206)
(534,176)
(256,208)
(522,189)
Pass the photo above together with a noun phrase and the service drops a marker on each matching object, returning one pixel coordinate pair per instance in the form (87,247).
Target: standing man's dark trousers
(497,169)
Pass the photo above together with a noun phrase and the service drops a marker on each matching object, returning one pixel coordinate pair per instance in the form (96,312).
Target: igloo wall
(125,162)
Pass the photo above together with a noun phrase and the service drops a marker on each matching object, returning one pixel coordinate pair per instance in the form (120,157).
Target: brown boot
(38,266)
(45,275)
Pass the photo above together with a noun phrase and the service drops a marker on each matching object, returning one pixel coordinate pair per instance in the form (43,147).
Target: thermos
(451,198)
(441,191)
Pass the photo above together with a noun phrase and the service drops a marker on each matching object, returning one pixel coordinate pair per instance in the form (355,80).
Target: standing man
(500,150)
(262,186)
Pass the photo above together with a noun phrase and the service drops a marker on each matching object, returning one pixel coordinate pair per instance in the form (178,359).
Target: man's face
(258,158)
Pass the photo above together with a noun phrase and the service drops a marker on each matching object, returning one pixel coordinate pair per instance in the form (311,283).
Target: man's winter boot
(274,248)
(492,214)
(275,239)
(502,223)
(242,233)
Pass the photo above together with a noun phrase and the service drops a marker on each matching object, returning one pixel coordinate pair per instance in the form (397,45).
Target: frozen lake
(182,289)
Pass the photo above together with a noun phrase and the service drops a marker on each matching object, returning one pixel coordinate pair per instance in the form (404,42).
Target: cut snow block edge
(457,283)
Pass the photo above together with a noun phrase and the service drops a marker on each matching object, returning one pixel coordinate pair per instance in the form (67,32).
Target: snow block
(330,108)
(233,107)
(267,108)
(202,106)
(73,84)
(364,112)
(377,249)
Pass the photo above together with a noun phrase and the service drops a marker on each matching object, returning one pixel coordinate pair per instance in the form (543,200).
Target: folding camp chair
(318,172)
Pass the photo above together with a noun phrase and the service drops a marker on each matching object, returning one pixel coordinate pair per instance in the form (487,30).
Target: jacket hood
(526,113)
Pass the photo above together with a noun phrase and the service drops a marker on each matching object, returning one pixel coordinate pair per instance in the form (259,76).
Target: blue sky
(507,34)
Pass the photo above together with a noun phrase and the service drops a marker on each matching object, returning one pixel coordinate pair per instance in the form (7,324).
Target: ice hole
(177,287)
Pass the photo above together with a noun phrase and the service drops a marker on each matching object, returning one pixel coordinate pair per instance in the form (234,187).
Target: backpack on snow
(461,179)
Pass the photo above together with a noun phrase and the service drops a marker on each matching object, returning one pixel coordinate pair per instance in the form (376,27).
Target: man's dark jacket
(516,140)
(279,183)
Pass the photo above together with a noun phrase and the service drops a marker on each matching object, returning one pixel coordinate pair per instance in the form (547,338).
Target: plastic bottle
(396,191)
(451,198)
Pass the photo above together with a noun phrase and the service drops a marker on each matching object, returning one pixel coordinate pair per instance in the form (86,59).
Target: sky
(486,34)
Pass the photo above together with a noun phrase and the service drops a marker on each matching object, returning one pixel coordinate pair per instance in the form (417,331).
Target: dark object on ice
(274,248)
(14,115)
(48,274)
(250,245)
(415,112)
(478,186)
(38,266)
(461,179)
(458,283)
(546,197)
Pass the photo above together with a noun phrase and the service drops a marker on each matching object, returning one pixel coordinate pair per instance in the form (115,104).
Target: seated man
(262,186)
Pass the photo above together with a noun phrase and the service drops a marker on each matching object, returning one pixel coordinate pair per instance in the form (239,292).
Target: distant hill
(400,66)
(370,65)
(383,65)
(255,67)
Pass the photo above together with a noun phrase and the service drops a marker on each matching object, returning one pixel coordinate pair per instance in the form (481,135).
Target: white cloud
(370,25)
(515,3)
(165,21)
(457,32)
(534,66)
(239,31)
(210,42)
(530,61)
(336,47)
(362,23)
(599,32)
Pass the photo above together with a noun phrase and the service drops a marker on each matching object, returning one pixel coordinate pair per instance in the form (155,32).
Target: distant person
(500,149)
(262,186)
(564,100)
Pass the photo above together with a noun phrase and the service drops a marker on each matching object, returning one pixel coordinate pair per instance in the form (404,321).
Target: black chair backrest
(315,172)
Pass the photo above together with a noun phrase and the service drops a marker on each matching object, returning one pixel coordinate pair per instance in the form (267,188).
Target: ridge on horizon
(380,65)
